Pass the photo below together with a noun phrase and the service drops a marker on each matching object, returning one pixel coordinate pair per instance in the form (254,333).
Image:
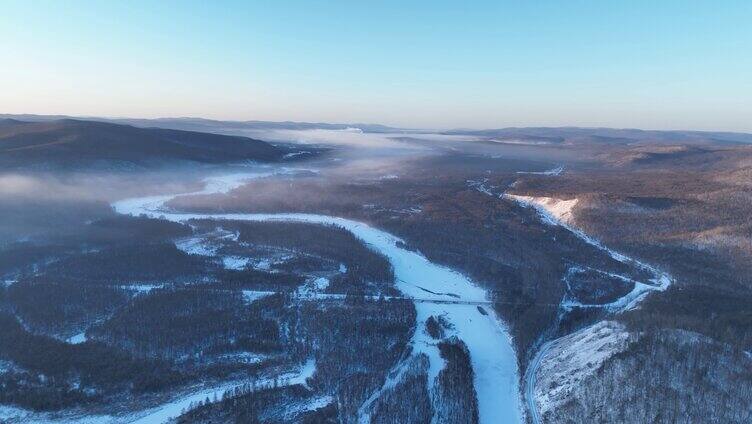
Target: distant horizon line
(355,124)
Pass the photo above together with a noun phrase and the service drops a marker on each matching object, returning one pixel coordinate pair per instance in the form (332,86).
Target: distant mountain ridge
(211,125)
(554,135)
(533,135)
(73,143)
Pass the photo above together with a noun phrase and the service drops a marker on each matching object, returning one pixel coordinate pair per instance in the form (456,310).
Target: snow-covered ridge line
(491,353)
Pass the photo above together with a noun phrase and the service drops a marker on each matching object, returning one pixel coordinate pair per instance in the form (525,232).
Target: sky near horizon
(438,64)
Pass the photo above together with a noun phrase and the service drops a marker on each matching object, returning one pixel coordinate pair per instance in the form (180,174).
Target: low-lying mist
(42,205)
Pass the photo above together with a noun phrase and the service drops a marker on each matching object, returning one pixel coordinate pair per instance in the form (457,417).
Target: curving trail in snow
(439,289)
(531,376)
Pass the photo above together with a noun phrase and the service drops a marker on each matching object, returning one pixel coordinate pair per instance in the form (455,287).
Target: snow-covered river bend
(490,346)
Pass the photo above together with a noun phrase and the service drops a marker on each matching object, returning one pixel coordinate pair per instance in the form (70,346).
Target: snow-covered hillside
(571,359)
(552,209)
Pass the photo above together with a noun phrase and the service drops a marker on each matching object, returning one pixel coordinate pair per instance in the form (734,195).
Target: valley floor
(493,360)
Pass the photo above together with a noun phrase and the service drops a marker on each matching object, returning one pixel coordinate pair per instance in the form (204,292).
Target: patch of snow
(551,172)
(197,245)
(6,366)
(263,265)
(235,262)
(251,296)
(321,283)
(553,210)
(293,154)
(409,211)
(11,414)
(342,268)
(78,338)
(244,357)
(306,372)
(142,288)
(415,209)
(206,244)
(482,186)
(310,296)
(314,285)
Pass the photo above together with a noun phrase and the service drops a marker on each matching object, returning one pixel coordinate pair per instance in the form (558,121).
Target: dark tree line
(132,263)
(456,400)
(253,279)
(60,308)
(177,323)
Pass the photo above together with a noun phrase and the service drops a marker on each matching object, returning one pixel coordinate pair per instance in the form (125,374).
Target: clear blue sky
(648,64)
